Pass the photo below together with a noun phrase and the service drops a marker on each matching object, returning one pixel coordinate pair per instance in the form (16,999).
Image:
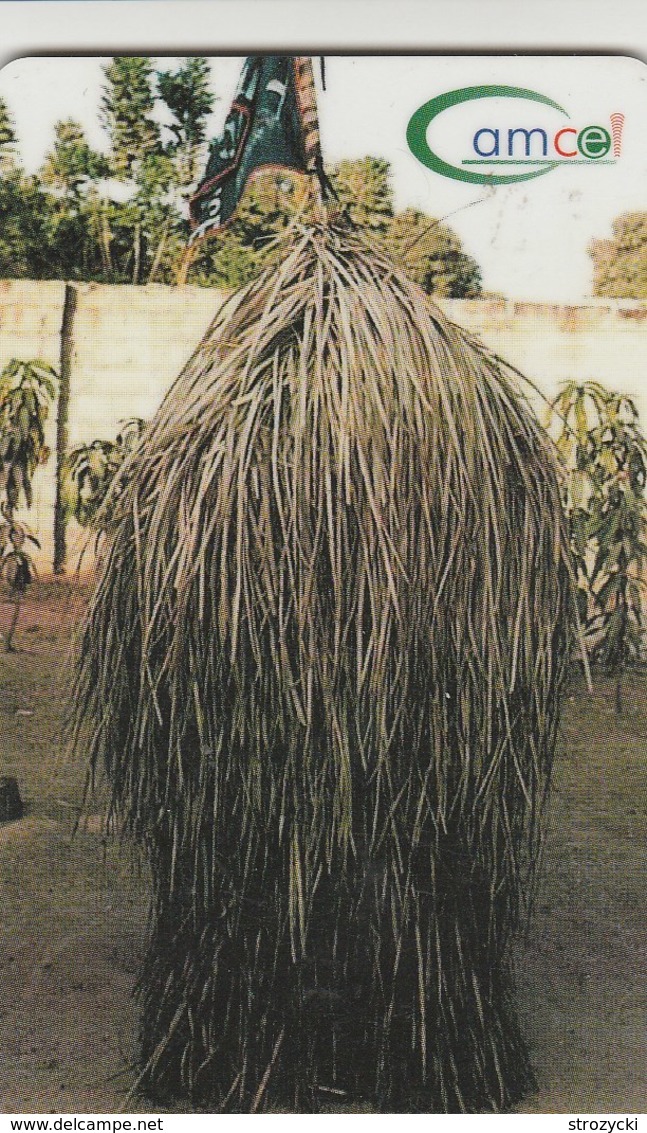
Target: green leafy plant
(605,451)
(26,392)
(89,470)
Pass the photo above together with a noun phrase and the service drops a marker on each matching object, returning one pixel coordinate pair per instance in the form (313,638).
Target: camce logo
(504,152)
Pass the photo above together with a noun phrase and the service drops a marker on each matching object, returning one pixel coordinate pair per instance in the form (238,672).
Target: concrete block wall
(605,341)
(128,344)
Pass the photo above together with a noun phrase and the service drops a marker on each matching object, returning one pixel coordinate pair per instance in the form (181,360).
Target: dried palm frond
(321,672)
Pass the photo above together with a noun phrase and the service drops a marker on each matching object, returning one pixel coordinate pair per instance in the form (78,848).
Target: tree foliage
(25,252)
(190,100)
(429,251)
(89,470)
(620,264)
(432,255)
(249,242)
(24,208)
(605,452)
(127,112)
(70,177)
(7,139)
(364,191)
(26,392)
(122,216)
(72,163)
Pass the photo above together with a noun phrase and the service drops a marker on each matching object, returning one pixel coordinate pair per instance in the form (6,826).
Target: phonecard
(322,550)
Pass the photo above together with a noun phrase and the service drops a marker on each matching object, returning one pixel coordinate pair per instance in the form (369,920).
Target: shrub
(605,452)
(27,390)
(89,470)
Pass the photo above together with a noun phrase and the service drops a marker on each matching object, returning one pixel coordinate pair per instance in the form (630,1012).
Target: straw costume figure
(321,673)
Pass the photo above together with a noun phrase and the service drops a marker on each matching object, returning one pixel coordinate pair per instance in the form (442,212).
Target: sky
(530,238)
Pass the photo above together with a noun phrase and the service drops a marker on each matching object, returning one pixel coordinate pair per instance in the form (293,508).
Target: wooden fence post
(62,421)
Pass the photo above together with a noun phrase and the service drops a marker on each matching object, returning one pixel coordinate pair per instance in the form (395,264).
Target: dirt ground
(73,909)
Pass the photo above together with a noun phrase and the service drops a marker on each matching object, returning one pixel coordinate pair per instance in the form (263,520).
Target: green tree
(432,255)
(605,452)
(249,242)
(7,139)
(127,107)
(147,225)
(163,227)
(24,251)
(26,392)
(70,173)
(89,470)
(364,190)
(188,96)
(620,264)
(144,234)
(72,162)
(430,252)
(24,218)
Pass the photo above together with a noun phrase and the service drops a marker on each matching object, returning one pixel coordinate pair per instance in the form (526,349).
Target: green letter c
(419,124)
